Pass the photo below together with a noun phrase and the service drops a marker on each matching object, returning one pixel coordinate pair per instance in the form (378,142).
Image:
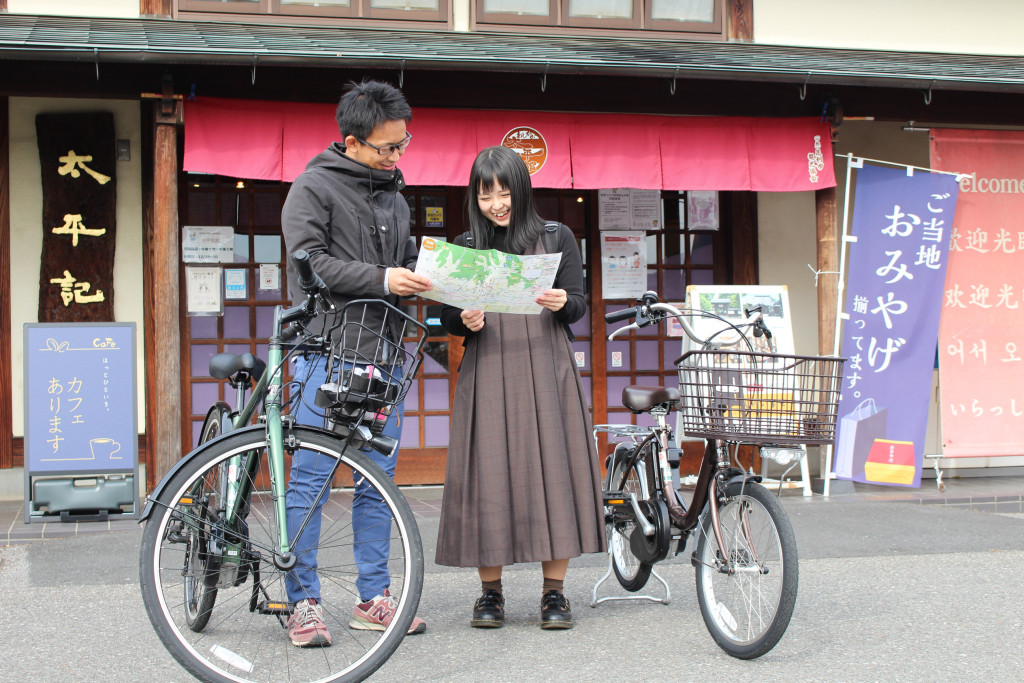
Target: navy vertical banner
(897,268)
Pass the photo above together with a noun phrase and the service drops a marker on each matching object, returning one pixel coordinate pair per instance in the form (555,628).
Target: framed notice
(81,420)
(728,303)
(203,290)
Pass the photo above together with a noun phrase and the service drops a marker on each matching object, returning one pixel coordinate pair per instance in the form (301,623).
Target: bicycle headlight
(784,455)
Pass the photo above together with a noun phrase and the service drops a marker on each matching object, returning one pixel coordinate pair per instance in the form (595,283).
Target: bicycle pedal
(278,608)
(615,498)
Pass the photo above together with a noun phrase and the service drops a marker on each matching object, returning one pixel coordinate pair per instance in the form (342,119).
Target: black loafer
(489,610)
(554,611)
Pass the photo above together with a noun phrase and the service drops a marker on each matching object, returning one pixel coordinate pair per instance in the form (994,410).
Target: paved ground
(888,590)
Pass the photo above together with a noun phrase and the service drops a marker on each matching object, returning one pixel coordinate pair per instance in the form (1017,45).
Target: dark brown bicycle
(744,552)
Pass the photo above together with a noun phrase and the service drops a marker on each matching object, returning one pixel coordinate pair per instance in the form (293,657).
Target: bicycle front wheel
(246,638)
(747,587)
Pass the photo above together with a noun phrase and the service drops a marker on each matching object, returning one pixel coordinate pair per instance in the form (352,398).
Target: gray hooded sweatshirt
(353,223)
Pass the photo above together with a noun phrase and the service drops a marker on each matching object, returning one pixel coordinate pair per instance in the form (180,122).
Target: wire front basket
(376,351)
(759,397)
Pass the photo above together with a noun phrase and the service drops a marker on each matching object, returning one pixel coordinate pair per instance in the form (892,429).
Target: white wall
(976,27)
(76,8)
(27,230)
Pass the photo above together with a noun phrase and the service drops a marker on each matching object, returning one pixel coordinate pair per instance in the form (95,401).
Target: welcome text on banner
(981,357)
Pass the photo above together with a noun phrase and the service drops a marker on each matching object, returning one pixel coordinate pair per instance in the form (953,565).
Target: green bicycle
(216,549)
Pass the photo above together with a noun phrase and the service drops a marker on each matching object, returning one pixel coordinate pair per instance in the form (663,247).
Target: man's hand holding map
(485,280)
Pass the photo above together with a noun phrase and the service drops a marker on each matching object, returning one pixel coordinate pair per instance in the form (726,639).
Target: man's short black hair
(366,105)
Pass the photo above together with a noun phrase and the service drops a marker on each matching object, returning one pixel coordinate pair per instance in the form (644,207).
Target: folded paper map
(485,280)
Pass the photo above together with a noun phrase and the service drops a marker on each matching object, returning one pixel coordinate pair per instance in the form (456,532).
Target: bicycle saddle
(224,365)
(640,399)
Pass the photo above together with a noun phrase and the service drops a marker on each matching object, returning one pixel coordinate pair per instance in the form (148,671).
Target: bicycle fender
(162,484)
(736,474)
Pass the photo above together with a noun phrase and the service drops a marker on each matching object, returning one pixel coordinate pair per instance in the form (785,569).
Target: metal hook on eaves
(803,88)
(672,83)
(544,79)
(255,59)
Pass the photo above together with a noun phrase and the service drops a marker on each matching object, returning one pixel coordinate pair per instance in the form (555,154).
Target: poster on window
(981,355)
(629,209)
(207,244)
(897,267)
(702,210)
(623,265)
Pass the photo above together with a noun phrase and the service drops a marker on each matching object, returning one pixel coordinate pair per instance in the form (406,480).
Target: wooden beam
(6,405)
(828,265)
(163,337)
(151,8)
(739,21)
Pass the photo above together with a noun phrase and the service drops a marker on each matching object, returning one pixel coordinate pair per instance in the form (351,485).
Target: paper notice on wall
(629,209)
(207,244)
(623,264)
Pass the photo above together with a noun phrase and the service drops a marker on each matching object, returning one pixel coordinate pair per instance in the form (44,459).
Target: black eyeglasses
(388,150)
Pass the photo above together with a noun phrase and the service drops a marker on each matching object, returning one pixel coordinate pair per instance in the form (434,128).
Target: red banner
(981,357)
(274,141)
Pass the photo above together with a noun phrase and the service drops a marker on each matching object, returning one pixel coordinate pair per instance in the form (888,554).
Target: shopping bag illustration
(891,462)
(858,430)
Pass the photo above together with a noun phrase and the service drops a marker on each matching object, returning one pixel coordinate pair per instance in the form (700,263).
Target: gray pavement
(888,591)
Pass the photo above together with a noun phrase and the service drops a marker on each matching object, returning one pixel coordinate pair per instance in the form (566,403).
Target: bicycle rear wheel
(747,609)
(201,566)
(631,572)
(246,638)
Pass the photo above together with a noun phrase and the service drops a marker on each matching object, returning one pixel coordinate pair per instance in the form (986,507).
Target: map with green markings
(485,280)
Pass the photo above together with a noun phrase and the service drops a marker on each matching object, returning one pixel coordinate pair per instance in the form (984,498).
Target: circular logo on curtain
(529,145)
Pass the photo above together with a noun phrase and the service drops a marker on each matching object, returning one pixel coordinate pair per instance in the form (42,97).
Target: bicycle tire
(200,578)
(631,573)
(747,612)
(243,643)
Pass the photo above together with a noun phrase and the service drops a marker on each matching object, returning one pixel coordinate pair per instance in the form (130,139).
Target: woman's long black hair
(501,167)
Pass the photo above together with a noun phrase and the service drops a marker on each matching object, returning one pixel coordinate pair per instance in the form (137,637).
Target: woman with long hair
(523,478)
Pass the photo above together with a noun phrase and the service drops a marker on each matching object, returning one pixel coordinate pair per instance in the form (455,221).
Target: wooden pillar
(828,278)
(6,406)
(163,337)
(828,265)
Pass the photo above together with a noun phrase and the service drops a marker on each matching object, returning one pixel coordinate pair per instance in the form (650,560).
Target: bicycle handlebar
(652,311)
(309,282)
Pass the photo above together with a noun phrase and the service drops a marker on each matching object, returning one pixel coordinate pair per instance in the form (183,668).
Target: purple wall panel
(410,433)
(435,394)
(436,430)
(236,322)
(203,326)
(200,359)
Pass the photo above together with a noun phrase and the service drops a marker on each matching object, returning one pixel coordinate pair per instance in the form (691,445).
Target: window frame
(717,25)
(636,22)
(357,9)
(552,19)
(559,17)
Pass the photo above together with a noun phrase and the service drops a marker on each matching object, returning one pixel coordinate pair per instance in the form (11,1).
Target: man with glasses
(346,212)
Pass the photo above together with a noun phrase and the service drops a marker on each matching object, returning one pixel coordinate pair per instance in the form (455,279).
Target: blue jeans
(371,518)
